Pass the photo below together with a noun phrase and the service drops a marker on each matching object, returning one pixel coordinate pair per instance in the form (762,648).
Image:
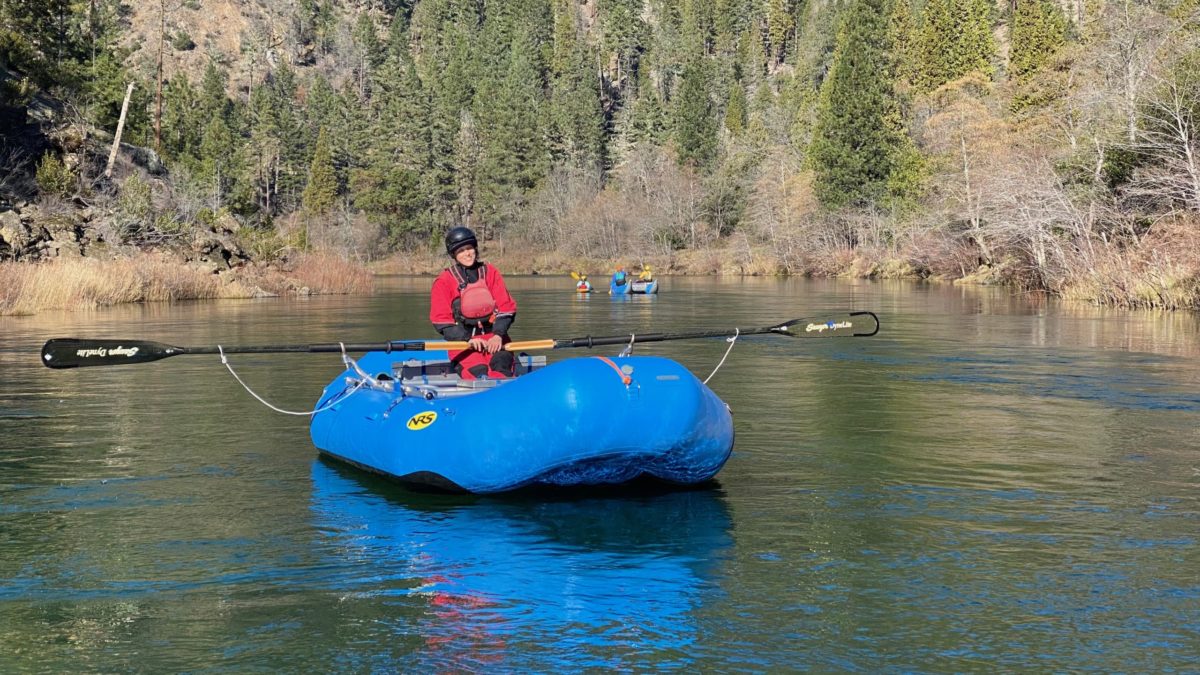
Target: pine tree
(294,145)
(323,108)
(213,101)
(320,194)
(780,24)
(695,124)
(860,152)
(565,20)
(216,160)
(262,149)
(955,39)
(182,125)
(624,35)
(731,19)
(386,179)
(398,33)
(735,109)
(368,52)
(45,27)
(647,121)
(761,107)
(577,117)
(1038,33)
(903,34)
(697,26)
(511,125)
(449,86)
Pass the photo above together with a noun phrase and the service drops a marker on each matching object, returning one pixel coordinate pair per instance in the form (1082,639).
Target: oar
(78,352)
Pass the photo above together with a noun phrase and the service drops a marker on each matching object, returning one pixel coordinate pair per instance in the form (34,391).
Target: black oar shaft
(394,346)
(636,338)
(851,324)
(77,352)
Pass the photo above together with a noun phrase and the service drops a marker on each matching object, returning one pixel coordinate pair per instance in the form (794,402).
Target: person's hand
(490,345)
(493,344)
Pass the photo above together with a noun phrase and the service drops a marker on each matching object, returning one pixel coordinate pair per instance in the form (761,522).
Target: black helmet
(459,237)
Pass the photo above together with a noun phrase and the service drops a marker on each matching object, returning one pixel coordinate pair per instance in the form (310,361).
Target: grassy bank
(1165,275)
(80,283)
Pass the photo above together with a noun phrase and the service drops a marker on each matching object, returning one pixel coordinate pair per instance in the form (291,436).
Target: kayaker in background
(584,286)
(469,302)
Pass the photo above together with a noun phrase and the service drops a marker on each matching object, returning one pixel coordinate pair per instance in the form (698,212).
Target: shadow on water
(521,576)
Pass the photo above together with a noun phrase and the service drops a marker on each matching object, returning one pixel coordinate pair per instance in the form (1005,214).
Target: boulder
(218,250)
(63,228)
(15,235)
(63,249)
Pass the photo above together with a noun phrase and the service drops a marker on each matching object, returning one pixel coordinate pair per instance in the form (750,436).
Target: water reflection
(995,481)
(525,582)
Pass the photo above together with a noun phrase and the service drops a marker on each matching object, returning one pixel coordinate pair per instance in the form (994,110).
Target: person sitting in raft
(584,286)
(645,274)
(469,302)
(619,276)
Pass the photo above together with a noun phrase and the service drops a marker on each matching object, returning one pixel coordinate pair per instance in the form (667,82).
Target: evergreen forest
(1047,144)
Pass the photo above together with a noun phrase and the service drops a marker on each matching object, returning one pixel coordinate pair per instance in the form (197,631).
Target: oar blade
(849,324)
(78,353)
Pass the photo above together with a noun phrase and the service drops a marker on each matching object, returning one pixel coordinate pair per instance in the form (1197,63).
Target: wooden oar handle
(512,346)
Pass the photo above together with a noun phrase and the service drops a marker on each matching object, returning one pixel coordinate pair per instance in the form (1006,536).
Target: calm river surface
(994,482)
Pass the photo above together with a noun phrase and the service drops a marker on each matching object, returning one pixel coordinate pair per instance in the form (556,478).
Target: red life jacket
(476,306)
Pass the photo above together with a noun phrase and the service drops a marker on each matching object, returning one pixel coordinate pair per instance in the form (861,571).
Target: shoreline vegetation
(1155,280)
(87,283)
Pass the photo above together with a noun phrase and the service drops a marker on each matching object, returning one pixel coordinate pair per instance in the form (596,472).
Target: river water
(994,481)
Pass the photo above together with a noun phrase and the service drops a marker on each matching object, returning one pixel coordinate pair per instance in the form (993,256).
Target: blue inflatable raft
(648,287)
(580,421)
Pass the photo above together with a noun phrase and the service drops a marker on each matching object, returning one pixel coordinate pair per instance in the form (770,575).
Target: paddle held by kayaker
(469,302)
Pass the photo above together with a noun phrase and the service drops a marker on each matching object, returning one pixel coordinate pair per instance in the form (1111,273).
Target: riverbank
(703,262)
(82,283)
(1155,280)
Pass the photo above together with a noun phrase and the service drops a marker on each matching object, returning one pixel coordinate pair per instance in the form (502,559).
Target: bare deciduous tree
(968,143)
(1168,136)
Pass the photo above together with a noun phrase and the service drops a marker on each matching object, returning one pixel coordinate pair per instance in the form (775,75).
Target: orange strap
(624,378)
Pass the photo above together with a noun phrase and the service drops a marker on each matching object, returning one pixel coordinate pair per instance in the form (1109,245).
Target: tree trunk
(162,38)
(112,154)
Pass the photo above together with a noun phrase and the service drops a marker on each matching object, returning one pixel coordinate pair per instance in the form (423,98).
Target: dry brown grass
(324,273)
(81,283)
(1162,271)
(78,283)
(409,262)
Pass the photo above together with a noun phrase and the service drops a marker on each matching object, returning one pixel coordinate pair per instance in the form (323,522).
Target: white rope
(730,340)
(346,359)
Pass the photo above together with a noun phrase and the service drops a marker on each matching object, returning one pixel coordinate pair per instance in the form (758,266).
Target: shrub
(54,178)
(182,42)
(135,208)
